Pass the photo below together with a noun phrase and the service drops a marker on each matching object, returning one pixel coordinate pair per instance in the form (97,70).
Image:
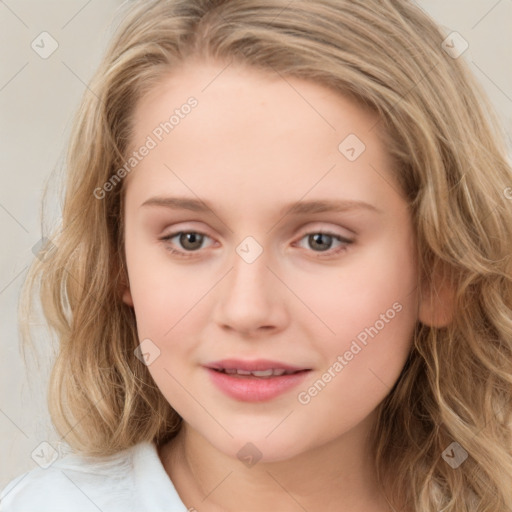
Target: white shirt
(132,480)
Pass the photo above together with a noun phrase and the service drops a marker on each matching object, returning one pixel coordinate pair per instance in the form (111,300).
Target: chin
(252,447)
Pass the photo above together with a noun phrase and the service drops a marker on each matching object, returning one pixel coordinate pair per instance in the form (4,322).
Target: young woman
(283,276)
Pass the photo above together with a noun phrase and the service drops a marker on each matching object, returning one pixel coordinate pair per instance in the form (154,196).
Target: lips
(255,381)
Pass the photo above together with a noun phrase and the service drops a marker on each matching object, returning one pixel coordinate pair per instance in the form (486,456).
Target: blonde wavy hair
(451,164)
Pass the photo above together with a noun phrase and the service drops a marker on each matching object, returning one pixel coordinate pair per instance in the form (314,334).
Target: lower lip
(255,389)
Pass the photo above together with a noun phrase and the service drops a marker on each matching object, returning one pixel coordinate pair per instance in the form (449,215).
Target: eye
(321,241)
(192,241)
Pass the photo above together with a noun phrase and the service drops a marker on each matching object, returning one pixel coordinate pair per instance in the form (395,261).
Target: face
(262,273)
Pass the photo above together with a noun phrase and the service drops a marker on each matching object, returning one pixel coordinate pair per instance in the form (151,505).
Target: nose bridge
(250,274)
(249,297)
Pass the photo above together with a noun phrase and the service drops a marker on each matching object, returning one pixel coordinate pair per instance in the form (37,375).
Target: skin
(255,143)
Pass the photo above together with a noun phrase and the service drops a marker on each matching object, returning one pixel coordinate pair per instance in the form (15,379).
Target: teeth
(271,372)
(262,373)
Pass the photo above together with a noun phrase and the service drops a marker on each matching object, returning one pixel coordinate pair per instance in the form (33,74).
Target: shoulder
(77,483)
(132,480)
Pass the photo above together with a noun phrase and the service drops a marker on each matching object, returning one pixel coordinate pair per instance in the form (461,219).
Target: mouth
(261,368)
(255,381)
(260,374)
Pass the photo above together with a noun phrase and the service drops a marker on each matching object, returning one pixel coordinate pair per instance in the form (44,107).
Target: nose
(251,298)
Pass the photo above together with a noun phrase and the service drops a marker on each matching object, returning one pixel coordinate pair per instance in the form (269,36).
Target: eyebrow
(297,208)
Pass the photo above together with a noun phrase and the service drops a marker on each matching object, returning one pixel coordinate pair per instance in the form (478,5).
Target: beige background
(37,99)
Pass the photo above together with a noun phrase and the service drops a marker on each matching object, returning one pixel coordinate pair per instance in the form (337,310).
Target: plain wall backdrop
(39,94)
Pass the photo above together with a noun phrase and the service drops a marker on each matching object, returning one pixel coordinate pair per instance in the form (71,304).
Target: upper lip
(254,365)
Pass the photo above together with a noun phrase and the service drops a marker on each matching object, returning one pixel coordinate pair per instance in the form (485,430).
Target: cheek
(368,283)
(162,291)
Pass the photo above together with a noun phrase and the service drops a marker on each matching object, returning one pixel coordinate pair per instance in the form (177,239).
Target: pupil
(191,238)
(318,236)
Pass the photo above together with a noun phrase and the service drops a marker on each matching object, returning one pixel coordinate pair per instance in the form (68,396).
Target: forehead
(253,133)
(234,95)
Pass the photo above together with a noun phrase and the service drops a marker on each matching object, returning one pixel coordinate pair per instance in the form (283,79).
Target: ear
(127,296)
(124,287)
(437,304)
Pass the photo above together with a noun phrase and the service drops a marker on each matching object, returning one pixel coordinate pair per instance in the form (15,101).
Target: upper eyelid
(317,226)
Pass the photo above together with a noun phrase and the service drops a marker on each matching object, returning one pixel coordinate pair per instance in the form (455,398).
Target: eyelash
(330,252)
